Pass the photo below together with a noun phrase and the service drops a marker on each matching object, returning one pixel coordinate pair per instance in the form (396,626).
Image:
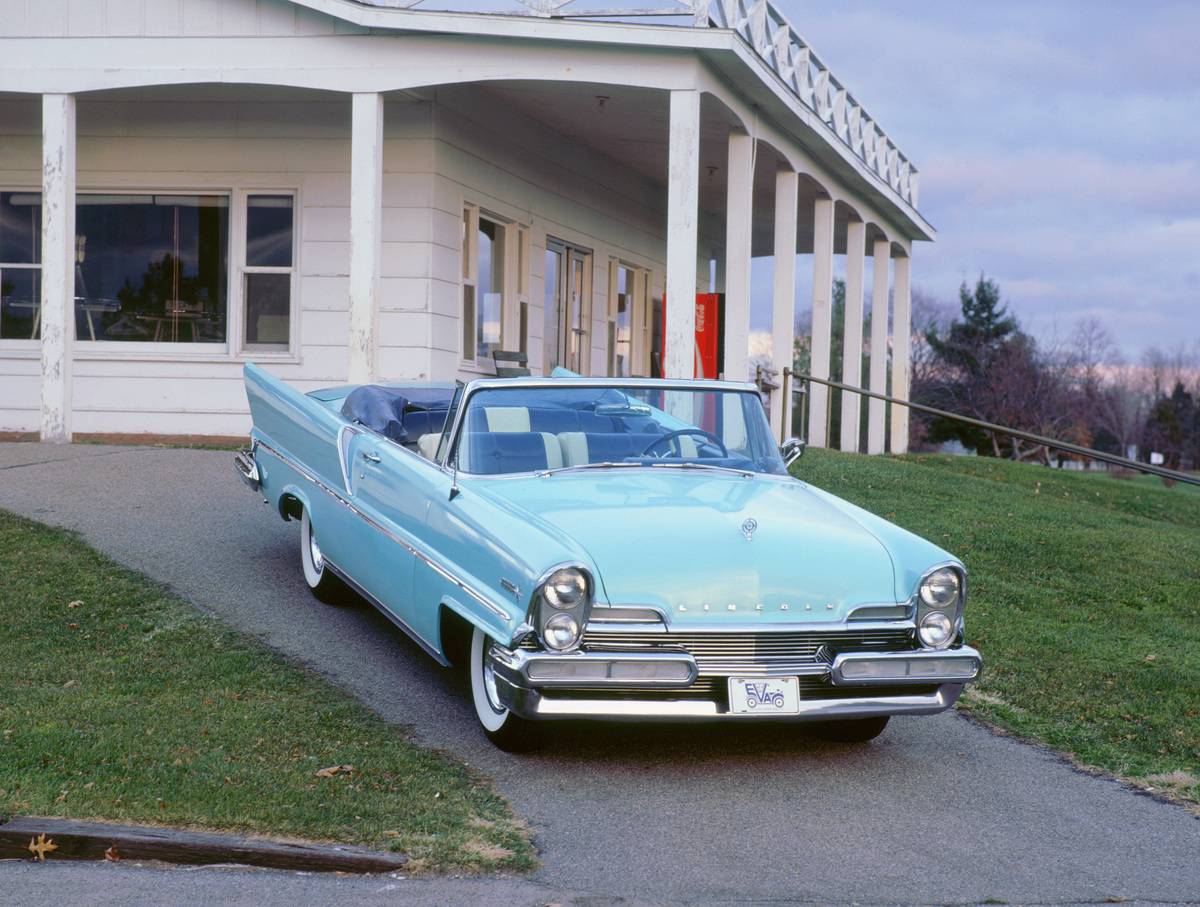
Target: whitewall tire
(317,575)
(502,727)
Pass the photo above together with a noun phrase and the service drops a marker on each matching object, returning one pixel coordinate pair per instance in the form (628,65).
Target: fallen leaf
(39,847)
(111,854)
(332,770)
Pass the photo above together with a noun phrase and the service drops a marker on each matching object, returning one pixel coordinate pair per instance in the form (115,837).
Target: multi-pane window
(483,284)
(151,267)
(267,274)
(20,265)
(627,320)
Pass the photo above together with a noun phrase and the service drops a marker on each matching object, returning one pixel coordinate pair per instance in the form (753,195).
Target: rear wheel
(506,730)
(855,730)
(320,579)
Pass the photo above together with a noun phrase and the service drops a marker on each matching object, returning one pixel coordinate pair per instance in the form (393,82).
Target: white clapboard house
(375,190)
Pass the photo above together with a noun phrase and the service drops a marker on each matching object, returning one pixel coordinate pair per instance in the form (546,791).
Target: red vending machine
(710,340)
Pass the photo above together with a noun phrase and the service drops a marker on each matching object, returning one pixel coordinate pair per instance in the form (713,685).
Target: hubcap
(315,550)
(489,683)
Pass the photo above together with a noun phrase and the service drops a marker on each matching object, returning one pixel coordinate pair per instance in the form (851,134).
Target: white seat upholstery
(574,448)
(554,453)
(507,418)
(427,445)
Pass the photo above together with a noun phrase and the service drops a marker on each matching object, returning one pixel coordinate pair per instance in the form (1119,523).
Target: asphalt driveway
(936,810)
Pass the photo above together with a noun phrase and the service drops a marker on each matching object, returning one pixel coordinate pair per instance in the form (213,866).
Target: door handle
(371,457)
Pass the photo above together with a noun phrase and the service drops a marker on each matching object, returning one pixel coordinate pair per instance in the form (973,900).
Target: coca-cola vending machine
(710,339)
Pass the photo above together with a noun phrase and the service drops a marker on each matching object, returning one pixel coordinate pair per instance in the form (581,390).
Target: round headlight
(936,630)
(941,588)
(560,632)
(565,588)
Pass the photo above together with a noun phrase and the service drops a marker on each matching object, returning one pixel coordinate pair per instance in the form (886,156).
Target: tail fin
(296,425)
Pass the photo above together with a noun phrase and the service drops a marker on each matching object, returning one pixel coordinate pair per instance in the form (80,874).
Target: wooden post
(822,321)
(901,346)
(683,205)
(366,232)
(783,317)
(879,354)
(856,250)
(58,264)
(739,203)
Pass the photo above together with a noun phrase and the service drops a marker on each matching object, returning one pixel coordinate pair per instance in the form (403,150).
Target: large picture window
(20,265)
(151,268)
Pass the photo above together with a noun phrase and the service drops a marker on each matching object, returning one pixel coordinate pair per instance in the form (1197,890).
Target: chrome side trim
(389,614)
(404,543)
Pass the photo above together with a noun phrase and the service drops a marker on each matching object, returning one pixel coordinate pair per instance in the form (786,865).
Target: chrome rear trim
(247,468)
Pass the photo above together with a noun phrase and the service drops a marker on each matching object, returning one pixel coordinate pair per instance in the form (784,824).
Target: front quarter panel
(911,555)
(488,548)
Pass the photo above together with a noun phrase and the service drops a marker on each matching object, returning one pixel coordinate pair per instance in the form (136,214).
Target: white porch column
(366,232)
(901,345)
(783,317)
(739,204)
(58,264)
(822,320)
(881,256)
(856,251)
(683,205)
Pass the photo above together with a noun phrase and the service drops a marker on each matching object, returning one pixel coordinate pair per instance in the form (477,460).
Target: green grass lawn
(1084,597)
(123,702)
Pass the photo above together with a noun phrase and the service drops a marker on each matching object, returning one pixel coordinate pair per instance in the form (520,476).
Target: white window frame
(30,346)
(239,284)
(639,278)
(514,293)
(232,350)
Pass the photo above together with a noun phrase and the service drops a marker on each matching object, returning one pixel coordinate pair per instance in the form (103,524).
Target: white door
(567,312)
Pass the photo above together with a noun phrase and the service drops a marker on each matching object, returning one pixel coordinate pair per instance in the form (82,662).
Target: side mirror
(792,450)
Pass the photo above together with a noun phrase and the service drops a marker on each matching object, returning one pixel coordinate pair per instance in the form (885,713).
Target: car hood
(678,540)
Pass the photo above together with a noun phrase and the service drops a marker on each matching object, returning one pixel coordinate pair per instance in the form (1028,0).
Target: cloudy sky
(1058,144)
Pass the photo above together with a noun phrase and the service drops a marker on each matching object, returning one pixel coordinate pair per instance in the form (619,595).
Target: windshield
(531,429)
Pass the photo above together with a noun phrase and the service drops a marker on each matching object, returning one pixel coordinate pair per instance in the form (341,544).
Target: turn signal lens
(565,588)
(936,630)
(560,632)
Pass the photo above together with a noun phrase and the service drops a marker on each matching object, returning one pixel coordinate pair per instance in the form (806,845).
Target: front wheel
(854,730)
(508,731)
(317,575)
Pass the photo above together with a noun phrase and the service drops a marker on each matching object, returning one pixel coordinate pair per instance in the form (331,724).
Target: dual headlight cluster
(561,607)
(940,604)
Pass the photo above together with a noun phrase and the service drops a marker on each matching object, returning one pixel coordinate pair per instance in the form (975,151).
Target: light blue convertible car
(610,549)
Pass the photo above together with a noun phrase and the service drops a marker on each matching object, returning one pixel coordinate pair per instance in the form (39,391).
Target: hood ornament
(749,527)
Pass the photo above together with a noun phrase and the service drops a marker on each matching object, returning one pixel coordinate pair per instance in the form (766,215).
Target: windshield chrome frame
(480,384)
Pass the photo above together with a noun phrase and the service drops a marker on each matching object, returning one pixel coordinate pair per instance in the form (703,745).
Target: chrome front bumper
(531,685)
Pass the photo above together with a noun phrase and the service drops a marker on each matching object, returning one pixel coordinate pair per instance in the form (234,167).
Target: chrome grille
(756,654)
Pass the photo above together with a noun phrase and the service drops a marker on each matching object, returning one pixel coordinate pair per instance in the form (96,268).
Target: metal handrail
(1066,446)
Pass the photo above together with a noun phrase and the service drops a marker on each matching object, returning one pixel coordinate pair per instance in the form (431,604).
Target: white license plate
(764,695)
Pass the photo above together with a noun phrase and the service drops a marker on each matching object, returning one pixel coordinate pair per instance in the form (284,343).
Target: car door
(381,560)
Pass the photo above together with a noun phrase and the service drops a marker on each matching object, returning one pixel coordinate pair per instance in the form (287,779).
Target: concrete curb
(33,838)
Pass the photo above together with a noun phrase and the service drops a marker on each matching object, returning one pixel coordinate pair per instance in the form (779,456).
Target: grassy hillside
(1084,597)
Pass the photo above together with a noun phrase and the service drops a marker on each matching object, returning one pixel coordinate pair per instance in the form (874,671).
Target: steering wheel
(694,432)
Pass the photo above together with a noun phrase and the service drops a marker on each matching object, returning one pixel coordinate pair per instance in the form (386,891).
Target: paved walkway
(938,810)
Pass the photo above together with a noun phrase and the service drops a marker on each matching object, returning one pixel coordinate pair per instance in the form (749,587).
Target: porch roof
(749,43)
